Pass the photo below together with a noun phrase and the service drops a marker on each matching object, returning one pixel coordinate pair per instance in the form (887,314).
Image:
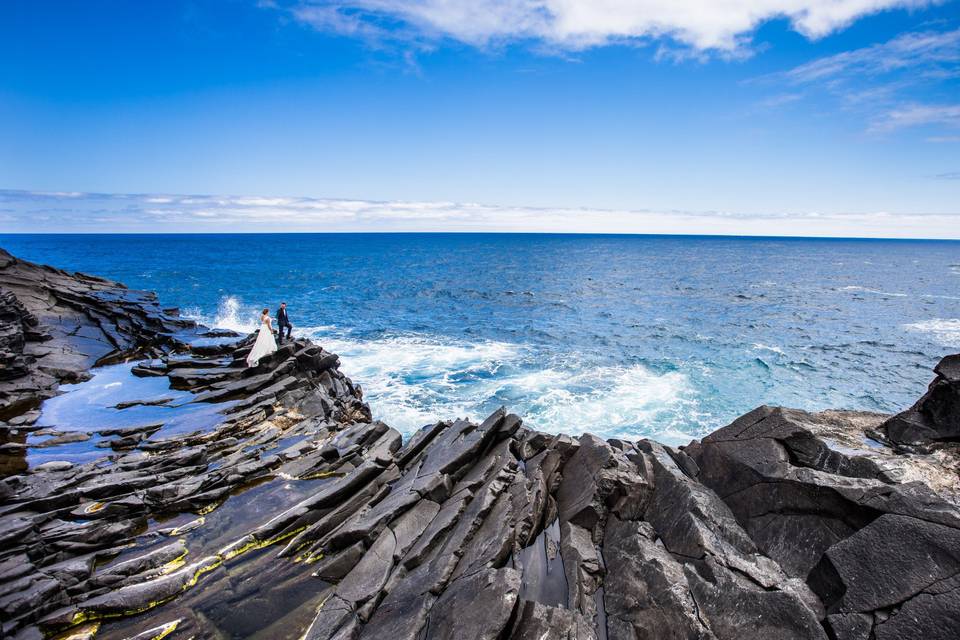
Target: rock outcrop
(293,514)
(935,418)
(57,325)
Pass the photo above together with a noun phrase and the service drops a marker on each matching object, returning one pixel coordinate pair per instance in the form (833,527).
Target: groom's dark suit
(283,321)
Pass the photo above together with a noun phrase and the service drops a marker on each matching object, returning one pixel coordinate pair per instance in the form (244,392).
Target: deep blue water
(667,337)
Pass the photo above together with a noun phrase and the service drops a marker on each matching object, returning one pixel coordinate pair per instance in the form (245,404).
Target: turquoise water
(630,336)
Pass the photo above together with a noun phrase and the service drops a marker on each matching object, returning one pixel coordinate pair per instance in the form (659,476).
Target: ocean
(668,337)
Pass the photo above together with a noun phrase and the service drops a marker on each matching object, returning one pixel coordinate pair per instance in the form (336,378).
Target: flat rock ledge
(784,524)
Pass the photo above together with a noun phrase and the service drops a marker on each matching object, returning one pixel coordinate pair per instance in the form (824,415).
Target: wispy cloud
(950,175)
(780,99)
(27,212)
(927,54)
(572,25)
(886,82)
(916,115)
(336,19)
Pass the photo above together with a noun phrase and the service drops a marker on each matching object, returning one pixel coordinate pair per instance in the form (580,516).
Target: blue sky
(809,117)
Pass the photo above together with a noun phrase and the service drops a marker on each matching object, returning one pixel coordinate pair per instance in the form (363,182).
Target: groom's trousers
(281,326)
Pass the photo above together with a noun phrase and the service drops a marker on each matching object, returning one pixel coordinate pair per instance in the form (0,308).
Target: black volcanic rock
(475,606)
(936,416)
(17,327)
(297,515)
(886,564)
(646,592)
(795,495)
(55,325)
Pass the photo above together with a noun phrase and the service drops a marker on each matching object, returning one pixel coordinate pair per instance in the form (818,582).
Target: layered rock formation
(293,514)
(57,325)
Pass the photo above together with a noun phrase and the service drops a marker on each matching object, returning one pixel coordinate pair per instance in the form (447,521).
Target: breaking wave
(412,380)
(231,314)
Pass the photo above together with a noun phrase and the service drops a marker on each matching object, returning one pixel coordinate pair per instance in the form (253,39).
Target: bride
(265,343)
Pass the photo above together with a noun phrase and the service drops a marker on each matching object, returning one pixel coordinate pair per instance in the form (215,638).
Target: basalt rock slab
(642,545)
(835,515)
(62,522)
(647,594)
(476,606)
(887,563)
(56,325)
(535,621)
(17,327)
(935,418)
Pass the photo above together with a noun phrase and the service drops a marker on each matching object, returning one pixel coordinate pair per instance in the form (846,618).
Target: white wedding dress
(265,344)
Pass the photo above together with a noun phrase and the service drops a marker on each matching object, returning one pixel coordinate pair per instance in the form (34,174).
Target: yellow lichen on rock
(85,632)
(209,508)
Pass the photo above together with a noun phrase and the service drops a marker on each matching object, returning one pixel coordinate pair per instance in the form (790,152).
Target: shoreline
(772,524)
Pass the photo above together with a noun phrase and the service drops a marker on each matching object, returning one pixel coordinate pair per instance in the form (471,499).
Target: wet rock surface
(57,325)
(290,513)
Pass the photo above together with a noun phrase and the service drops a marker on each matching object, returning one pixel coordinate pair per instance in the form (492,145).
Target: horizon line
(83,213)
(478,233)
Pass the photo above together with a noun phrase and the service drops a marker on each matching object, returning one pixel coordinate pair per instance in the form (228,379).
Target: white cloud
(780,100)
(924,54)
(723,26)
(882,82)
(114,213)
(917,115)
(58,194)
(332,18)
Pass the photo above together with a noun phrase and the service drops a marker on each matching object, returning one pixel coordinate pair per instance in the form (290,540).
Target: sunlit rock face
(157,487)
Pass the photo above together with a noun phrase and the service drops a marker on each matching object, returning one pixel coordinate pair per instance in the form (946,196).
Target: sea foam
(944,331)
(412,380)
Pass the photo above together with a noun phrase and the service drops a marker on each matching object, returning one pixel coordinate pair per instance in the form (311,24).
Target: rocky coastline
(203,499)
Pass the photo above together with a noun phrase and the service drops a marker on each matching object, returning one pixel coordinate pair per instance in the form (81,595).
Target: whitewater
(626,336)
(409,380)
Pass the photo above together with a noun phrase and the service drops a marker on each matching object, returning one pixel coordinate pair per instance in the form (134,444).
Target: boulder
(935,417)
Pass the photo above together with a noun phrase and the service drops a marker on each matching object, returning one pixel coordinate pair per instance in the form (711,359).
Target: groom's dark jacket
(282,318)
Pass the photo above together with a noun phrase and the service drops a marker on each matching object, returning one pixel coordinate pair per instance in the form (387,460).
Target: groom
(283,321)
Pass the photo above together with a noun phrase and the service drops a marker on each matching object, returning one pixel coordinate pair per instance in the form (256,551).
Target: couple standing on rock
(265,344)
